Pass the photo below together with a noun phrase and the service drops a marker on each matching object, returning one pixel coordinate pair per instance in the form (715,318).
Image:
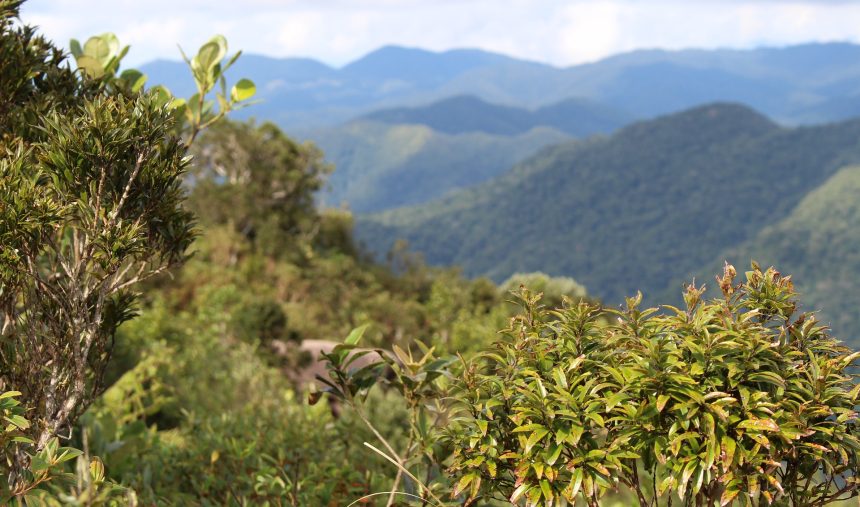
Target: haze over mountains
(804,83)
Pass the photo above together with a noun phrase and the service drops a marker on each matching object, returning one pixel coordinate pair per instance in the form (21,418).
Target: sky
(336,32)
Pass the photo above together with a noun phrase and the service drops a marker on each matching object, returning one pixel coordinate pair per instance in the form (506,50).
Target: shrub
(734,401)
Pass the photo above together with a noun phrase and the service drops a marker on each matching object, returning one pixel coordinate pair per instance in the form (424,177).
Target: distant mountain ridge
(467,113)
(647,208)
(796,84)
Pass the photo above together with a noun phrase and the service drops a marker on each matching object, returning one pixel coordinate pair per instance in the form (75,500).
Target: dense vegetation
(644,209)
(167,286)
(383,166)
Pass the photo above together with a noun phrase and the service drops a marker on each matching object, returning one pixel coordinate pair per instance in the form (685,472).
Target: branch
(127,190)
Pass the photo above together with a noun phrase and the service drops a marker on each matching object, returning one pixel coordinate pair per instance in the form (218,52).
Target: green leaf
(759,425)
(68,453)
(534,438)
(244,89)
(18,421)
(554,453)
(661,402)
(39,464)
(134,78)
(92,68)
(559,376)
(518,492)
(75,48)
(546,489)
(207,56)
(463,483)
(575,482)
(529,427)
(666,484)
(482,425)
(102,48)
(728,495)
(728,452)
(356,334)
(97,470)
(161,94)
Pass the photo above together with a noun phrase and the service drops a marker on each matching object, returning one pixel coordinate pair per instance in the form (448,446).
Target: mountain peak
(708,123)
(413,64)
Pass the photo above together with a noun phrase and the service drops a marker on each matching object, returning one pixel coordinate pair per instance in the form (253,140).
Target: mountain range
(795,84)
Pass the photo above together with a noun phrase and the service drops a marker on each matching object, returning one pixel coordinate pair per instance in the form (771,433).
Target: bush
(735,401)
(261,321)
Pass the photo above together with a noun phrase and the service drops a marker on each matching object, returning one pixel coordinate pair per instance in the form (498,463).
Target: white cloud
(555,31)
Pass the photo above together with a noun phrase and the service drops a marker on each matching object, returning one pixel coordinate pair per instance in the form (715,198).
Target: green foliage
(100,57)
(732,401)
(208,69)
(261,183)
(261,320)
(161,432)
(553,289)
(92,206)
(91,190)
(44,476)
(219,325)
(420,380)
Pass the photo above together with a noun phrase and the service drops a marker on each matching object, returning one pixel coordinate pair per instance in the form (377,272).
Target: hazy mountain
(467,113)
(658,200)
(301,93)
(381,166)
(806,83)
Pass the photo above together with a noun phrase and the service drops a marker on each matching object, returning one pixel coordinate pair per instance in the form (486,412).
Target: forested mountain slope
(381,166)
(657,200)
(818,243)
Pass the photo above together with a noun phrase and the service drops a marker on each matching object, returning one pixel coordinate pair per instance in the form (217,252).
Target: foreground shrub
(735,401)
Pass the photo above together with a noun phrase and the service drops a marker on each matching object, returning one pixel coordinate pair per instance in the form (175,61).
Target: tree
(90,205)
(259,182)
(734,401)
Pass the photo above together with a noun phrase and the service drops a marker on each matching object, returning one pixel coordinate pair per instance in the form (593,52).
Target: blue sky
(553,31)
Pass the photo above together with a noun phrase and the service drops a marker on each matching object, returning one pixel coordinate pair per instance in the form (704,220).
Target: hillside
(381,166)
(819,244)
(805,83)
(466,113)
(679,188)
